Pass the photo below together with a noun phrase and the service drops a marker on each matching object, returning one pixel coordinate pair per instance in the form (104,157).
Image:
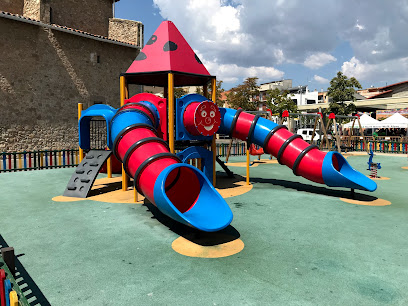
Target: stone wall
(44,74)
(12,6)
(32,9)
(126,30)
(90,16)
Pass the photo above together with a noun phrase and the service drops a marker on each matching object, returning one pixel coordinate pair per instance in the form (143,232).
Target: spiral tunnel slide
(291,150)
(178,190)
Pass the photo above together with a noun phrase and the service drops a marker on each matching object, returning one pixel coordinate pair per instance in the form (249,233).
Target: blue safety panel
(97,110)
(210,212)
(346,176)
(199,152)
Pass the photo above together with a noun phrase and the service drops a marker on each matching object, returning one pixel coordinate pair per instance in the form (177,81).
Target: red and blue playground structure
(145,131)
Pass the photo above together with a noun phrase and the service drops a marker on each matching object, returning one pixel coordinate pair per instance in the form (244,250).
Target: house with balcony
(300,94)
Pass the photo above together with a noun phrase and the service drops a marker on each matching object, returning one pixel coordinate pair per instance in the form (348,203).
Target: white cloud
(359,26)
(318,60)
(242,34)
(234,73)
(396,70)
(320,79)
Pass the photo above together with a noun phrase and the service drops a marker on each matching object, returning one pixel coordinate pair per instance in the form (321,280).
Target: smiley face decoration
(202,118)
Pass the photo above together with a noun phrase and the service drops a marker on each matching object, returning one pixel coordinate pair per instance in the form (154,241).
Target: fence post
(20,162)
(14,161)
(4,161)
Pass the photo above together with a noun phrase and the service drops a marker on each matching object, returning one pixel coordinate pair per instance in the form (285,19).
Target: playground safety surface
(292,242)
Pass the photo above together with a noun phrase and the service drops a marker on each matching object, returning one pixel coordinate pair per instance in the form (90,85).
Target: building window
(95,58)
(310,101)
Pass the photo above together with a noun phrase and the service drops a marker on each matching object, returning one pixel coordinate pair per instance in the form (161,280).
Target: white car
(307,134)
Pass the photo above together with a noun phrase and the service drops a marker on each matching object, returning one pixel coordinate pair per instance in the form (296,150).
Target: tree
(342,89)
(179,92)
(218,90)
(278,101)
(244,95)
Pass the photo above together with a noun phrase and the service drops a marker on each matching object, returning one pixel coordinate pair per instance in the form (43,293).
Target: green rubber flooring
(303,245)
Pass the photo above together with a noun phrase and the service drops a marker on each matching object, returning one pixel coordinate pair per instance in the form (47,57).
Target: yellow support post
(41,159)
(122,90)
(213,90)
(123,95)
(81,152)
(13,298)
(171,110)
(124,180)
(109,167)
(199,163)
(213,143)
(247,166)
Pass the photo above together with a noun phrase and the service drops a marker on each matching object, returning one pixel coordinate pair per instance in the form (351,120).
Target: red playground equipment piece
(254,151)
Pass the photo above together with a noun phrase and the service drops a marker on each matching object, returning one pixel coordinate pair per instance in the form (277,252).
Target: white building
(302,96)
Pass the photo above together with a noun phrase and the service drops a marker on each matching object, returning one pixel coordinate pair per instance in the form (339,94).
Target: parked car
(307,134)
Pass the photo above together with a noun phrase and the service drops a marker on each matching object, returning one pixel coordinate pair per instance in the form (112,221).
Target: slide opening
(183,188)
(339,163)
(335,162)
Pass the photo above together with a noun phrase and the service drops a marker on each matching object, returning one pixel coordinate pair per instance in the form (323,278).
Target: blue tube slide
(206,211)
(209,213)
(341,175)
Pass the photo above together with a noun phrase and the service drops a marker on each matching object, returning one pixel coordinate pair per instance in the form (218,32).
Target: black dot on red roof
(197,59)
(152,40)
(170,46)
(141,56)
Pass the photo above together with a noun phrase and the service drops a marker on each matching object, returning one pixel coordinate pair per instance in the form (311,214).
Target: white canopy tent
(395,121)
(366,121)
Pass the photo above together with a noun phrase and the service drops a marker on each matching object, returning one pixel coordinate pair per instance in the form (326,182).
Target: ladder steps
(85,174)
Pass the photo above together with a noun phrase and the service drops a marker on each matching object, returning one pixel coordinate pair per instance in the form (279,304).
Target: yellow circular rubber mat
(186,247)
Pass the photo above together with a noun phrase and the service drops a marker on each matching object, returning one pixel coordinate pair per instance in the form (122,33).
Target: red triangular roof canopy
(167,50)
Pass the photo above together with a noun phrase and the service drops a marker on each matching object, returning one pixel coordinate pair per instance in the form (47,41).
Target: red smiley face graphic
(207,118)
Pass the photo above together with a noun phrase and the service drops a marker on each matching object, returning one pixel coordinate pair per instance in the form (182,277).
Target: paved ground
(303,245)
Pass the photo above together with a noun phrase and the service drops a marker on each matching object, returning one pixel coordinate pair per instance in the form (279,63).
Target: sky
(306,41)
